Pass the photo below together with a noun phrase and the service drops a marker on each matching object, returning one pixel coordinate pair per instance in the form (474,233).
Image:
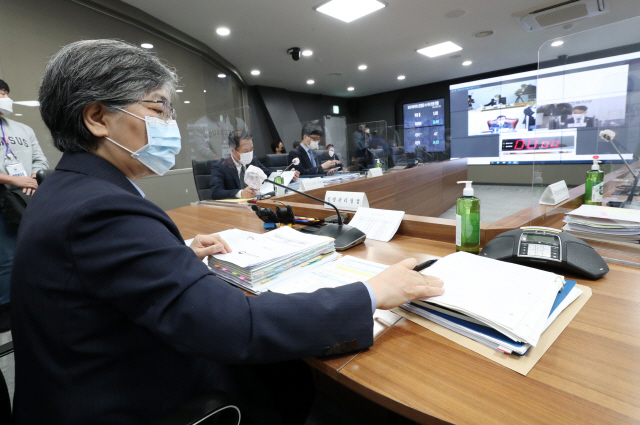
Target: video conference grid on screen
(424,126)
(552,115)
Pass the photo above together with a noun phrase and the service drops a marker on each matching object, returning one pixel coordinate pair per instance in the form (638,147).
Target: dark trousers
(275,393)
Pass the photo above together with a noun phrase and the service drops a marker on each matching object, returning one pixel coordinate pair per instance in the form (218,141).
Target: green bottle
(279,190)
(468,221)
(594,187)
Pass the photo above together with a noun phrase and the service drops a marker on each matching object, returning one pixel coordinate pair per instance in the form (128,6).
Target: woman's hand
(399,283)
(205,245)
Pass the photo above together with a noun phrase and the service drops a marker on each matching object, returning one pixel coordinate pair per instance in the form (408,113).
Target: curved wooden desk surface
(591,374)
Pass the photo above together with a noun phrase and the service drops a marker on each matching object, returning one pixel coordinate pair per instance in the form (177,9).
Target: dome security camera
(295,53)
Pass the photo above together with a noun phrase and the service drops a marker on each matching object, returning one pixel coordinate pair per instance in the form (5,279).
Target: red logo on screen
(595,157)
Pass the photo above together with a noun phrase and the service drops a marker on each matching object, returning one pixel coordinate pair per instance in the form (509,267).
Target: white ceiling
(387,40)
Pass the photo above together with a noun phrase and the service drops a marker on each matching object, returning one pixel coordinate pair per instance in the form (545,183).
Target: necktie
(313,160)
(242,184)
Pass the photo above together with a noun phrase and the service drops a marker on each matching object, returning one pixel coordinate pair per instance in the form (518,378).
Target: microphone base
(345,236)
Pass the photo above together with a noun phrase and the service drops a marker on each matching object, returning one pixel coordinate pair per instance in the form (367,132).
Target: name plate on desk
(374,172)
(348,201)
(555,193)
(310,184)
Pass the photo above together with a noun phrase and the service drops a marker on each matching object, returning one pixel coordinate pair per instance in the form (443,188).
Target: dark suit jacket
(116,321)
(225,181)
(305,167)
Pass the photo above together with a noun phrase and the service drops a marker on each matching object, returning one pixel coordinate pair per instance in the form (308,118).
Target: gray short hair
(112,72)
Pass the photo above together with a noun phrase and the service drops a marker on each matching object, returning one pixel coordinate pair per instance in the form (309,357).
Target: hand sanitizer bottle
(468,221)
(594,187)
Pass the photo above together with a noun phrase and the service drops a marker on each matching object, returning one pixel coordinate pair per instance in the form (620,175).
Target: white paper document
(249,250)
(377,224)
(515,300)
(346,270)
(268,187)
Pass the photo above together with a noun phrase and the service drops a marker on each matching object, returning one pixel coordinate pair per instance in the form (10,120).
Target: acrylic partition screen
(208,135)
(587,109)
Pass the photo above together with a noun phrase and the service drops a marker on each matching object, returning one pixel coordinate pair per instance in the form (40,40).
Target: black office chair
(202,177)
(398,156)
(371,159)
(211,408)
(277,161)
(41,175)
(321,156)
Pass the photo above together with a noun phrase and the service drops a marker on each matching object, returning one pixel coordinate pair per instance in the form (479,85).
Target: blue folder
(490,332)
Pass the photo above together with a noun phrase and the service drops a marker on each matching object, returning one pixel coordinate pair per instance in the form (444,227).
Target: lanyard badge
(13,166)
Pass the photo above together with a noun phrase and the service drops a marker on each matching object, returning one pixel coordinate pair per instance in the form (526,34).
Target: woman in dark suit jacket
(115,319)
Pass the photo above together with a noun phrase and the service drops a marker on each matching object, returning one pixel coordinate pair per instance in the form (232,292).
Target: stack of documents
(618,225)
(259,258)
(505,306)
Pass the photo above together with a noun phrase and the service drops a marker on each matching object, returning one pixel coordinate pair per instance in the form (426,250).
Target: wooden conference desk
(591,374)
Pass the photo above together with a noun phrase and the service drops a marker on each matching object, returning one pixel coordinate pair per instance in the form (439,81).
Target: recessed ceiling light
(401,77)
(223,31)
(146,46)
(179,91)
(351,88)
(440,49)
(482,34)
(255,72)
(205,91)
(186,101)
(557,43)
(350,10)
(18,115)
(307,52)
(362,67)
(466,63)
(221,75)
(310,81)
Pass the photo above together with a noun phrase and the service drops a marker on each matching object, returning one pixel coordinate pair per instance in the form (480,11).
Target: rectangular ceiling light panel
(440,49)
(350,10)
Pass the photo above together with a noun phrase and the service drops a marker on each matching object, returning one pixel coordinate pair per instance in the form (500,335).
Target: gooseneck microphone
(609,135)
(345,236)
(295,161)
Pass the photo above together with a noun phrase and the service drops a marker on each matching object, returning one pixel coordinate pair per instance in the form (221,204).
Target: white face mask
(6,106)
(245,158)
(579,116)
(314,144)
(332,152)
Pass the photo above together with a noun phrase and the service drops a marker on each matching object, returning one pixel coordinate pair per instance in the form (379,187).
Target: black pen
(424,265)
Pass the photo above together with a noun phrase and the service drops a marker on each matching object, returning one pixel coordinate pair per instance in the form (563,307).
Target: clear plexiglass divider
(208,135)
(583,121)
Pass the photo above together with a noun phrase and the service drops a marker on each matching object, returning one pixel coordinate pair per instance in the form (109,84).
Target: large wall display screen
(551,115)
(424,126)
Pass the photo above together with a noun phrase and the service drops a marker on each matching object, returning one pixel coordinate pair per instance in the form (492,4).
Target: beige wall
(33,30)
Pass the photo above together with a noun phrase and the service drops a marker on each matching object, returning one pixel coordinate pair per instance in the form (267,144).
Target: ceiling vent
(561,13)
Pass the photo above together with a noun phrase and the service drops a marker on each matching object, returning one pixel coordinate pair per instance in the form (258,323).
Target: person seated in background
(494,101)
(579,117)
(278,147)
(500,124)
(227,175)
(311,135)
(329,147)
(296,144)
(21,158)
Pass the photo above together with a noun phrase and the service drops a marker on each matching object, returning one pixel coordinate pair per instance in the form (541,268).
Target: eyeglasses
(315,138)
(168,113)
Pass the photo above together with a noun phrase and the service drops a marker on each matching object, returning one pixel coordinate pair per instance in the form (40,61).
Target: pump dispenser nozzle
(595,165)
(468,190)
